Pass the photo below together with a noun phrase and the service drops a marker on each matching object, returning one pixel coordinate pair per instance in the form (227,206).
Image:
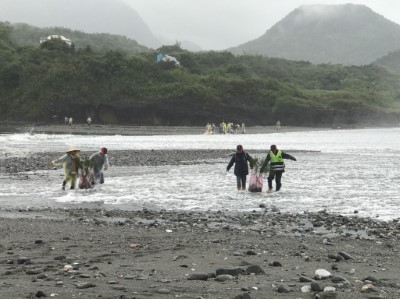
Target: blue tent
(159,57)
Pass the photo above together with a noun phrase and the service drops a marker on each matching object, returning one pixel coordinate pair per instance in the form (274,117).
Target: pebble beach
(97,252)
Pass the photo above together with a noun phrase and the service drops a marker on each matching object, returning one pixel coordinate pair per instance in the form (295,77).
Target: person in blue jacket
(240,159)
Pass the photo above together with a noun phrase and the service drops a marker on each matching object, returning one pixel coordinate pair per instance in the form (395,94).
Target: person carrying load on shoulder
(99,162)
(240,159)
(71,163)
(277,166)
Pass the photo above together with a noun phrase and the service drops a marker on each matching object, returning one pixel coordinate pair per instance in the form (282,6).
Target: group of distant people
(274,158)
(225,128)
(91,169)
(69,121)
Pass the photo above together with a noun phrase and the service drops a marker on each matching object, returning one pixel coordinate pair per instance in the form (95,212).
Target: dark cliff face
(345,34)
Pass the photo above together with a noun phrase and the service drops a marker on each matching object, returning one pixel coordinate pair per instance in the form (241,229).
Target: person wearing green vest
(277,166)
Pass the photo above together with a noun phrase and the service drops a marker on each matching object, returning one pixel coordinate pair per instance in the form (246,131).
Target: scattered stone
(233,272)
(326,295)
(285,289)
(42,276)
(141,277)
(329,289)
(118,288)
(251,252)
(224,277)
(67,268)
(179,257)
(370,278)
(198,276)
(85,285)
(33,271)
(245,263)
(129,277)
(257,270)
(164,291)
(275,264)
(368,288)
(332,256)
(59,283)
(306,289)
(82,275)
(375,296)
(338,279)
(112,282)
(345,255)
(317,287)
(304,278)
(351,271)
(38,241)
(60,258)
(322,274)
(40,294)
(23,260)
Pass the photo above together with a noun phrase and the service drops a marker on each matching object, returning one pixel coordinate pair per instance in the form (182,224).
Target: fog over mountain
(197,24)
(346,34)
(92,16)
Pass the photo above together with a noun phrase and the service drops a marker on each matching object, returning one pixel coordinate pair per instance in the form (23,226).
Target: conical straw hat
(73,149)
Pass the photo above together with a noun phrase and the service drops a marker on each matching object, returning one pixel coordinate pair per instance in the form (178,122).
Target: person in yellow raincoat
(71,163)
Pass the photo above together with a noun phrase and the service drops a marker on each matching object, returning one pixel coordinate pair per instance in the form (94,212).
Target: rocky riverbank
(103,253)
(93,253)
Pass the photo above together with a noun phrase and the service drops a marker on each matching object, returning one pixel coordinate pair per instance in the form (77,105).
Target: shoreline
(137,130)
(94,129)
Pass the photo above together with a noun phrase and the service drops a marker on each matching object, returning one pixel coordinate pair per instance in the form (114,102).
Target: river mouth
(344,172)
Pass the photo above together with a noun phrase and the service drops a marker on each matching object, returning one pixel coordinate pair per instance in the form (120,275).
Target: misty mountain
(390,61)
(344,34)
(92,16)
(190,46)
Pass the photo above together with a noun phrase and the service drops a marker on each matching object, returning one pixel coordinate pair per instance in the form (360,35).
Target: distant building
(50,37)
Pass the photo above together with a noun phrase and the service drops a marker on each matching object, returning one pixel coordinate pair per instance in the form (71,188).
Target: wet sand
(90,252)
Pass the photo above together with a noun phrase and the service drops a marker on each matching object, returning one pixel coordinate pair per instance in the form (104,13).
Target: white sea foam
(346,171)
(386,140)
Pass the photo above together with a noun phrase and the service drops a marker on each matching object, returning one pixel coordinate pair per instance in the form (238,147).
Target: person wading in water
(277,166)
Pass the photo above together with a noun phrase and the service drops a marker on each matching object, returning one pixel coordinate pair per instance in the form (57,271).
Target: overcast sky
(220,24)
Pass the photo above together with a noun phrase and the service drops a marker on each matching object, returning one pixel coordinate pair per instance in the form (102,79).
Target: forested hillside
(390,61)
(37,83)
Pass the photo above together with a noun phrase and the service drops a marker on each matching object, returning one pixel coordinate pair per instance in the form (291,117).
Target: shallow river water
(342,171)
